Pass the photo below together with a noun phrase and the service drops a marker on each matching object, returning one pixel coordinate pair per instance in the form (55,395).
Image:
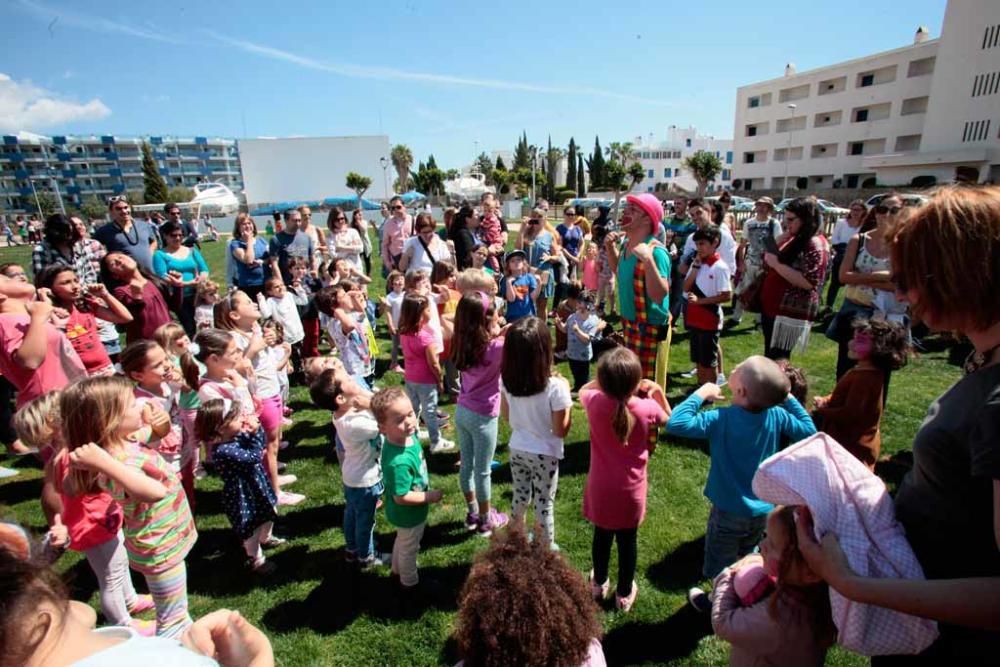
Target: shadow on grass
(680,569)
(21,491)
(310,520)
(893,469)
(346,592)
(675,637)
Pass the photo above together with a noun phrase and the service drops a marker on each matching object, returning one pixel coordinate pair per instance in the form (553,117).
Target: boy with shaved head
(740,436)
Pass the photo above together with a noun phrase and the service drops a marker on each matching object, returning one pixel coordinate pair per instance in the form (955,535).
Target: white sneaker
(721,380)
(289,498)
(285,480)
(284,444)
(442,445)
(690,374)
(8,472)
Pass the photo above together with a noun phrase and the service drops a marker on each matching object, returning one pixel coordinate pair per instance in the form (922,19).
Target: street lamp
(53,173)
(534,168)
(385,175)
(788,150)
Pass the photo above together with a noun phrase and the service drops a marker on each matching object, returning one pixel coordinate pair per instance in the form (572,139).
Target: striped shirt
(160,534)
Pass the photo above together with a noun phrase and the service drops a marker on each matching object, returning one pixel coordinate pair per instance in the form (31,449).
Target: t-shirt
(149,312)
(358,432)
(158,535)
(285,246)
(135,243)
(60,366)
(481,383)
(139,650)
(354,346)
(418,369)
(522,305)
(727,246)
(590,274)
(572,239)
(246,275)
(681,227)
(210,390)
(739,440)
(190,267)
(405,470)
(656,313)
(615,494)
(81,330)
(204,316)
(576,349)
(90,518)
(945,502)
(265,369)
(419,259)
(169,446)
(713,279)
(286,313)
(395,300)
(530,418)
(842,233)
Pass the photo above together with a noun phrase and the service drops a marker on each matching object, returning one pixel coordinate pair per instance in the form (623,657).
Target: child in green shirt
(405,473)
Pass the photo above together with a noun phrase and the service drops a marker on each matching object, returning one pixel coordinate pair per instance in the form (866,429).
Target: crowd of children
(123,452)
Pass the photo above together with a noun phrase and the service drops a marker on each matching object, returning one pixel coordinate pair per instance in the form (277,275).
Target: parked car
(909,199)
(827,207)
(738,203)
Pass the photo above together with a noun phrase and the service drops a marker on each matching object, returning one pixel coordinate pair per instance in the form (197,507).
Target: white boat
(467,188)
(214,199)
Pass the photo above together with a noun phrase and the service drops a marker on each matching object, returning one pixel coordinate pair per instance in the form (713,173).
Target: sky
(443,78)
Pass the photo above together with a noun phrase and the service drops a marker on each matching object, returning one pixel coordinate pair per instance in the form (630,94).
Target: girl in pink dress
(614,499)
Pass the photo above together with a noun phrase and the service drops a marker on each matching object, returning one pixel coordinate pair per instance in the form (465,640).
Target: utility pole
(788,151)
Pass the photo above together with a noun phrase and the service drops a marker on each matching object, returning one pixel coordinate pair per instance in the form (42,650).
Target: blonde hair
(203,289)
(92,410)
(765,382)
(168,334)
(473,280)
(37,423)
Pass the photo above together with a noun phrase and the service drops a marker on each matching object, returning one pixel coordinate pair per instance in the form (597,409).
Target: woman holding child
(949,503)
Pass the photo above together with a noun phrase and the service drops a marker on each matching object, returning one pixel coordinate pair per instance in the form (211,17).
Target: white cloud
(392,74)
(24,105)
(58,17)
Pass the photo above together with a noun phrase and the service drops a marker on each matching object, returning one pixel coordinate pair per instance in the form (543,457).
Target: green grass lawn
(317,611)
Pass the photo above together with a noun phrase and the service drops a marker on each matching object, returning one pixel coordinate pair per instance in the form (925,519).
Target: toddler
(393,304)
(205,298)
(521,288)
(580,329)
(342,313)
(279,304)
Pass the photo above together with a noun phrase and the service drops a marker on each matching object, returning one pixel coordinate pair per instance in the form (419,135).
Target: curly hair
(523,604)
(890,344)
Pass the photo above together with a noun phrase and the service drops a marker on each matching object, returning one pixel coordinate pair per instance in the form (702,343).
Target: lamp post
(385,175)
(53,172)
(534,168)
(788,151)
(38,205)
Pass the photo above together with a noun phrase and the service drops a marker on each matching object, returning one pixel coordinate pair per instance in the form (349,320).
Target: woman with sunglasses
(790,293)
(540,244)
(946,266)
(345,241)
(865,271)
(422,251)
(183,263)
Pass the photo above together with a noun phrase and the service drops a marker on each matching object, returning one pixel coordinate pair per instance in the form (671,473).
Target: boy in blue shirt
(740,437)
(521,288)
(581,328)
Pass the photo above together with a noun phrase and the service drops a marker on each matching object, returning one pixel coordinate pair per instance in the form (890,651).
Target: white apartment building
(928,111)
(662,160)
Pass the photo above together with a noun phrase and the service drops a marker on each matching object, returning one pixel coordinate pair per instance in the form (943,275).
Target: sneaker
(376,560)
(443,416)
(144,628)
(492,521)
(282,466)
(690,374)
(287,411)
(8,472)
(423,434)
(285,421)
(625,603)
(285,480)
(442,445)
(598,591)
(284,444)
(289,498)
(494,464)
(396,369)
(142,603)
(471,520)
(273,541)
(200,472)
(263,568)
(721,380)
(559,355)
(700,600)
(350,556)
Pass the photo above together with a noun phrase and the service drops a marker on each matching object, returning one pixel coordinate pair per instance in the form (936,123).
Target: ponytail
(207,342)
(622,422)
(618,375)
(190,371)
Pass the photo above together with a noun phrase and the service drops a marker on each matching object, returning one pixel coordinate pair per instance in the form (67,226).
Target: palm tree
(402,160)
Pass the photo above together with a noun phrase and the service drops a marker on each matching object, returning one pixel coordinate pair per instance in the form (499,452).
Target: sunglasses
(338,217)
(398,208)
(117,198)
(891,210)
(178,235)
(534,222)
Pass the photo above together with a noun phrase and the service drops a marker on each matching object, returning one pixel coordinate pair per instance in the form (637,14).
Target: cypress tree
(154,187)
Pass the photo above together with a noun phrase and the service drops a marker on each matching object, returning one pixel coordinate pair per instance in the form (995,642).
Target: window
(861,115)
(857,148)
(751,130)
(687,143)
(726,174)
(991,37)
(985,84)
(753,102)
(867,80)
(650,174)
(976,130)
(852,180)
(666,172)
(729,157)
(748,158)
(649,188)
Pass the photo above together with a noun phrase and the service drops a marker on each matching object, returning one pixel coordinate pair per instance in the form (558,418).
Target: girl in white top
(280,305)
(537,406)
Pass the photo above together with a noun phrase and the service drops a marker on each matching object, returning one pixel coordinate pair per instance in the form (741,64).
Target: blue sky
(439,77)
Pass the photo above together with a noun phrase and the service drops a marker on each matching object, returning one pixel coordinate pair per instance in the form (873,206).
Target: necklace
(977,360)
(125,234)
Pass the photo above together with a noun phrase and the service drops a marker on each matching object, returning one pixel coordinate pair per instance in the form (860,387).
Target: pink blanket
(852,502)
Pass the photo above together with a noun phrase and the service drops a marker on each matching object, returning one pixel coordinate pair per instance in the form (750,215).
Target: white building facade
(662,160)
(921,114)
(76,167)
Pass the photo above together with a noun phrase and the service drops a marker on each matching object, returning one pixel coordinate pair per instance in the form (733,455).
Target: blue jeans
(424,398)
(359,519)
(477,442)
(728,538)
